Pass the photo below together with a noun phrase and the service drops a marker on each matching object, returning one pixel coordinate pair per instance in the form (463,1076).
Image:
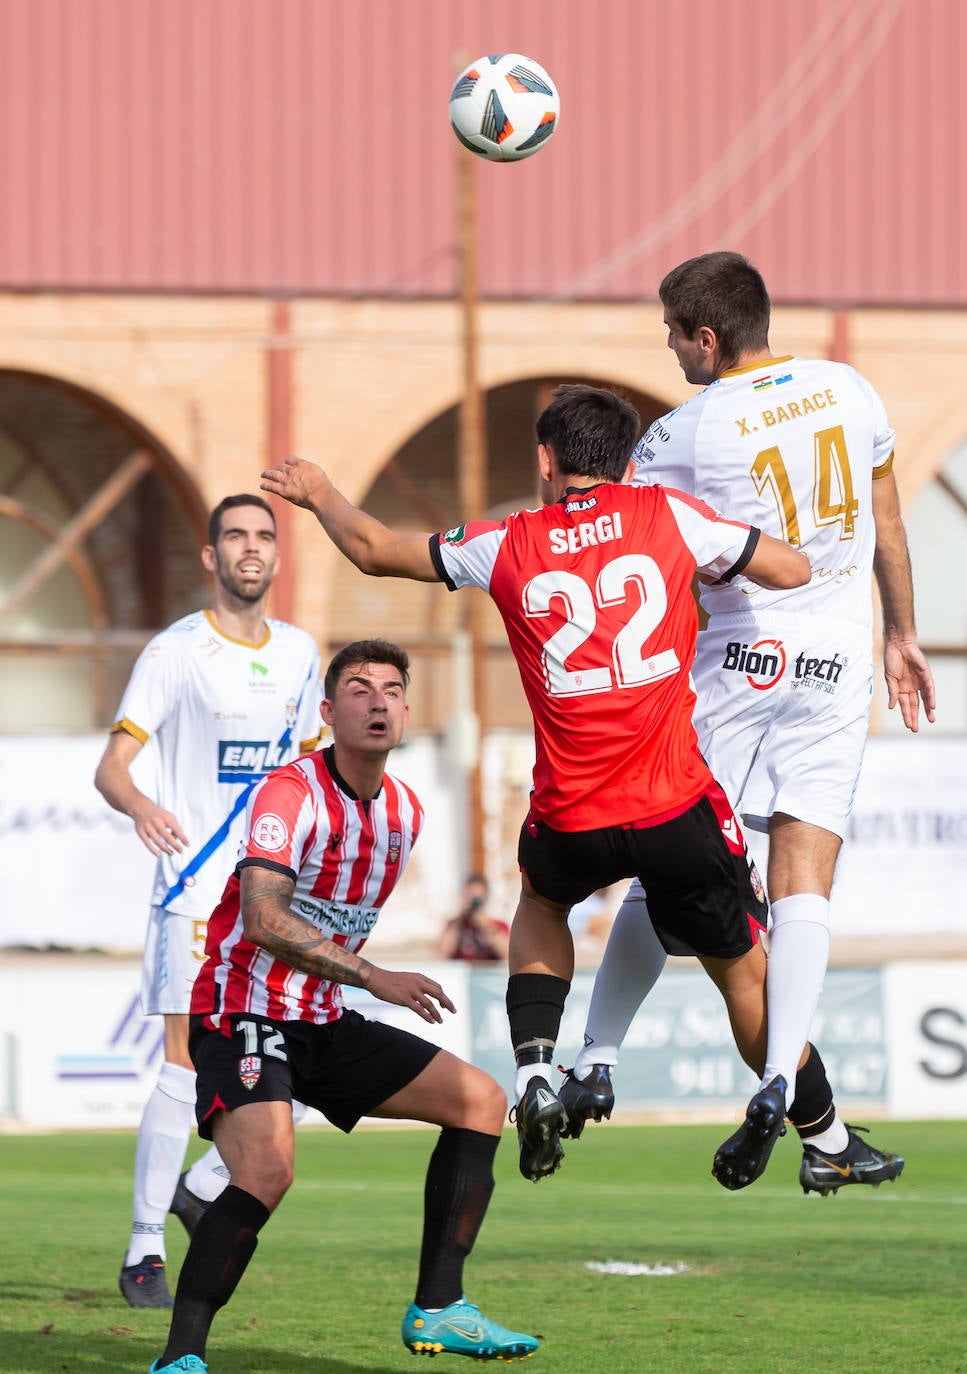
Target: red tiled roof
(303,146)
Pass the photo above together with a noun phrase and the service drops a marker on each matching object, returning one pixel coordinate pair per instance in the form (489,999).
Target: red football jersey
(596,596)
(345,855)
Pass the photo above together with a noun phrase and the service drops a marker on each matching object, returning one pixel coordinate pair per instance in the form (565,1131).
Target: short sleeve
(719,546)
(884,435)
(279,821)
(465,556)
(154,688)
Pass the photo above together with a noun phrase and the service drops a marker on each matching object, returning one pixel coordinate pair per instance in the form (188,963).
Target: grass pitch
(762,1280)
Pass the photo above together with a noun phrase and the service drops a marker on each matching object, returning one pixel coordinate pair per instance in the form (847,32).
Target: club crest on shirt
(757,885)
(395,844)
(250,1070)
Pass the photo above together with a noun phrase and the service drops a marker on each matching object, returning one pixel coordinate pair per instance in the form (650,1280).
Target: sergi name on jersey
(586,533)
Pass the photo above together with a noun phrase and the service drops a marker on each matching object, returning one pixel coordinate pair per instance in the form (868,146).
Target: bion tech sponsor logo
(819,674)
(763,663)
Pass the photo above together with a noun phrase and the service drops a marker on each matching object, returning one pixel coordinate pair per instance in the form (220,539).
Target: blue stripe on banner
(215,841)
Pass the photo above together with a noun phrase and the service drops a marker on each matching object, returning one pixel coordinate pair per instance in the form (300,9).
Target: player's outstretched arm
(157,829)
(776,565)
(270,923)
(909,680)
(365,541)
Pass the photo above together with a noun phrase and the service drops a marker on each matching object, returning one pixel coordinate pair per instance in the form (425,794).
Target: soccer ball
(504,107)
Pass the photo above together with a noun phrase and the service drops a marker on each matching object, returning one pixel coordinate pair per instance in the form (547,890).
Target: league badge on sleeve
(270,833)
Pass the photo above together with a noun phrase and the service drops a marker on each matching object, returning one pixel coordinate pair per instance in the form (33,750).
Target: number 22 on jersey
(831,472)
(582,604)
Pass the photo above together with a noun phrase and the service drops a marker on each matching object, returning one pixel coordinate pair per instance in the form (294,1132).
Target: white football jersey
(792,446)
(221,714)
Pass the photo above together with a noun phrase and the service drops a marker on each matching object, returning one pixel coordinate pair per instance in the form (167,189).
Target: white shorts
(174,951)
(783,714)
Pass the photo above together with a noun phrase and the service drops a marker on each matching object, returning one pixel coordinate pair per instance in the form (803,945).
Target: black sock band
(812,1111)
(222,1244)
(535,1005)
(459,1182)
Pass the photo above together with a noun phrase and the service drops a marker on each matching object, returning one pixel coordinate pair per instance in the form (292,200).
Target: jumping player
(801,448)
(595,592)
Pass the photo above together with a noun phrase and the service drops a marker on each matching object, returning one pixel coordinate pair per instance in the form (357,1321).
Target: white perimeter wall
(75,1051)
(72,872)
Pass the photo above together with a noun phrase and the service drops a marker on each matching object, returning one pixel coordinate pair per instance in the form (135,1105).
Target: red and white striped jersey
(345,855)
(596,596)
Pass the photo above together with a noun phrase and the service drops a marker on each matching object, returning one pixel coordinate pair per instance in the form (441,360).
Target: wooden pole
(473,482)
(278,447)
(76,531)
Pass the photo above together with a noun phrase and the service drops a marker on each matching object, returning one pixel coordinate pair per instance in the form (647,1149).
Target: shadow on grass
(37,1352)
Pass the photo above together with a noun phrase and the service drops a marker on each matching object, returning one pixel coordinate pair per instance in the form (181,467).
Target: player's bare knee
(268,1179)
(486,1104)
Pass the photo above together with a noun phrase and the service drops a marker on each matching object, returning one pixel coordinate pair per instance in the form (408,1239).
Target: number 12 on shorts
(262,1039)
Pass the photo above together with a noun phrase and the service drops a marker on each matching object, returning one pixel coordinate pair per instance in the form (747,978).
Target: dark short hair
(366,651)
(592,431)
(726,293)
(229,503)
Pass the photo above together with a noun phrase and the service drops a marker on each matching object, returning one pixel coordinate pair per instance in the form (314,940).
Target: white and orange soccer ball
(504,107)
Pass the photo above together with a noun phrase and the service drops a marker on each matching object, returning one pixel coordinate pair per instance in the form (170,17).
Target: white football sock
(832,1141)
(798,956)
(162,1142)
(208,1176)
(526,1072)
(633,959)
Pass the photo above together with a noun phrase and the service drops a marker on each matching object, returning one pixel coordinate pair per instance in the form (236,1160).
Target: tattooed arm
(270,923)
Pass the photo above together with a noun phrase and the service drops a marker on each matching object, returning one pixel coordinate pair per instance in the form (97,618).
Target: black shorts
(346,1068)
(704,896)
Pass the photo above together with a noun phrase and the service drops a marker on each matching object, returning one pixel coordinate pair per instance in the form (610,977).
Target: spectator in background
(473,934)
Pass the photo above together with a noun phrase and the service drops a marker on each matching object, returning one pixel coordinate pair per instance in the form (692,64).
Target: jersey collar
(756,367)
(329,755)
(246,643)
(570,493)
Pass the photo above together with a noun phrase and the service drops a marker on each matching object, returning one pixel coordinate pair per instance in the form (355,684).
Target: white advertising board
(73,873)
(79,1054)
(926,1028)
(903,866)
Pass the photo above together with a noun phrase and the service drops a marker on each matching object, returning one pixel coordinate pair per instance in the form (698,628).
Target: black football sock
(535,1005)
(222,1244)
(459,1182)
(813,1109)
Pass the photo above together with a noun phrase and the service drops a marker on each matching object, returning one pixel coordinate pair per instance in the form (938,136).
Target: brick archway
(104,529)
